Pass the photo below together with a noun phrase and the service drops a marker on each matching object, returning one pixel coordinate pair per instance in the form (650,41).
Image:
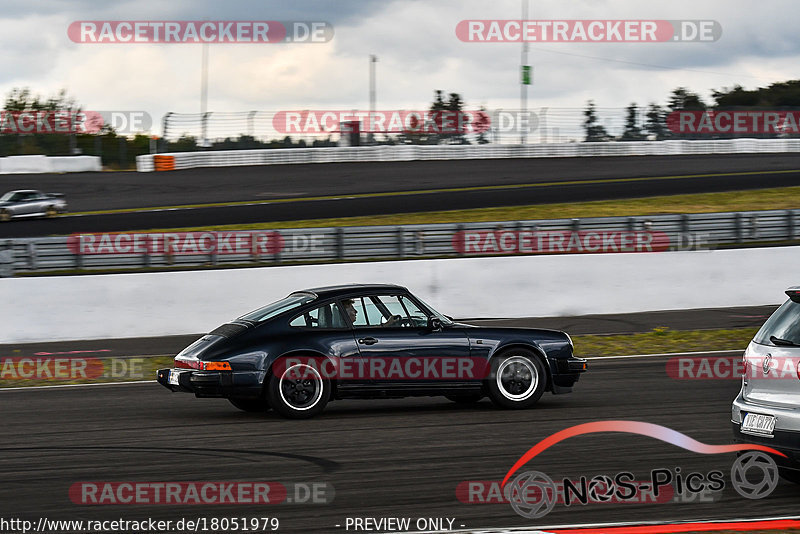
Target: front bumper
(566,372)
(211,383)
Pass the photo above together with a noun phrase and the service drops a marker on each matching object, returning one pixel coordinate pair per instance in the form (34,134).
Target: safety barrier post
(401,252)
(340,243)
(32,259)
(7,260)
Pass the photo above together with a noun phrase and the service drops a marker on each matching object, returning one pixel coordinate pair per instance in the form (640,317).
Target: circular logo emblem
(754,475)
(767,363)
(601,488)
(532,494)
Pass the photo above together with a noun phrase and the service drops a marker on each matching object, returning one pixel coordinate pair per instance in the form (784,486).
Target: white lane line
(544,529)
(730,351)
(21,388)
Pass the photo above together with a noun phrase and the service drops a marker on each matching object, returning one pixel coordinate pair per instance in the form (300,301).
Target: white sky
(417,48)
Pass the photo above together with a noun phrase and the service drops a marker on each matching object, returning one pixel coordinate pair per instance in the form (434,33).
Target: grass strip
(753,200)
(663,340)
(96,370)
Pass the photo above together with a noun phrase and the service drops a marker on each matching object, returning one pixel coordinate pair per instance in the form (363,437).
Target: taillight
(203,366)
(798,369)
(215,366)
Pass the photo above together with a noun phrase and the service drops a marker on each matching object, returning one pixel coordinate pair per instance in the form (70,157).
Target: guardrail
(43,164)
(558,236)
(283,156)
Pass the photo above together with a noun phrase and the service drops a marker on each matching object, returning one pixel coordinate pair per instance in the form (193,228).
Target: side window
(394,306)
(365,311)
(371,312)
(418,317)
(396,311)
(325,316)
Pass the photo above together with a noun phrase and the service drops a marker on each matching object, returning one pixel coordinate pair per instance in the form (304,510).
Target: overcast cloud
(417,48)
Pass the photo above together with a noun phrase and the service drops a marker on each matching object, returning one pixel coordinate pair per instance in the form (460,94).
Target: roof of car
(351,289)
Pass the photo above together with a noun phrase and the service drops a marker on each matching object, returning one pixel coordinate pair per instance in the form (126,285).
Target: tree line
(777,96)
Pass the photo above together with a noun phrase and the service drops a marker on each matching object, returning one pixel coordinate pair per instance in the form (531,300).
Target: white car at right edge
(767,409)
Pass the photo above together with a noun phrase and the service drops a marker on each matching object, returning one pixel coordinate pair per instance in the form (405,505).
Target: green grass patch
(758,199)
(127,369)
(663,340)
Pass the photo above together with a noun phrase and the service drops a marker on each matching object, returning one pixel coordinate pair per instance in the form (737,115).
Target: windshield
(444,319)
(783,324)
(269,311)
(8,197)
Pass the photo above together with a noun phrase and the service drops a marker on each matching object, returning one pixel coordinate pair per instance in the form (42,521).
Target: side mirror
(434,324)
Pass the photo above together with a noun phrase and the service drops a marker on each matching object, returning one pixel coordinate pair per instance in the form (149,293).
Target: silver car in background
(31,203)
(767,409)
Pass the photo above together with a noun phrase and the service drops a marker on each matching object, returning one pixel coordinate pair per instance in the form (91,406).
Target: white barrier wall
(282,156)
(152,304)
(42,164)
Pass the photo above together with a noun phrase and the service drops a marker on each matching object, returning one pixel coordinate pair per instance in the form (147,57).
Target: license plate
(758,424)
(174,377)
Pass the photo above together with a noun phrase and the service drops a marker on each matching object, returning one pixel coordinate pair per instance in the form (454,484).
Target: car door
(324,329)
(401,350)
(26,204)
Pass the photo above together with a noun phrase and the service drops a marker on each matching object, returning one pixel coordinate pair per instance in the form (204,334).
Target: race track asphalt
(537,181)
(383,458)
(390,458)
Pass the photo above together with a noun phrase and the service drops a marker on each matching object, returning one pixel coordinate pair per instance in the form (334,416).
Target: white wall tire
(299,392)
(517,380)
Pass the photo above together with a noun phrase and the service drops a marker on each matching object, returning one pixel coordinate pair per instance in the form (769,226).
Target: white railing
(43,164)
(283,156)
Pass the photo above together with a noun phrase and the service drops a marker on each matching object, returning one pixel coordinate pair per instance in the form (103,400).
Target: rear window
(783,324)
(269,311)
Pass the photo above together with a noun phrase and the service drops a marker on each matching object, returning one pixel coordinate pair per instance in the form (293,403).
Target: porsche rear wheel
(517,379)
(298,391)
(51,212)
(250,405)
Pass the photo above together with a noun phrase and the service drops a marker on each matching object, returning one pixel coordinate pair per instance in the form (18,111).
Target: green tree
(681,98)
(655,126)
(594,131)
(632,131)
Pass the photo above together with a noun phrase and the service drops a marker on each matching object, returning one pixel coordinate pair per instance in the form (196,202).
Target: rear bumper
(785,438)
(783,441)
(211,383)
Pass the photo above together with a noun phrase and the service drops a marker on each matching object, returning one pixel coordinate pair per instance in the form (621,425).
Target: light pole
(372,60)
(525,80)
(204,93)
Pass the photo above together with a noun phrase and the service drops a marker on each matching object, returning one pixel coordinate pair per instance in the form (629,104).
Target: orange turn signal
(217,366)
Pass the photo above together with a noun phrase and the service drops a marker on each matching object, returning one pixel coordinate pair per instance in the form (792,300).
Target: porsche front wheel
(517,379)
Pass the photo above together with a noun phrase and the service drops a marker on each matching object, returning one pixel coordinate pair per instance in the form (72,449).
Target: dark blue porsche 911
(368,341)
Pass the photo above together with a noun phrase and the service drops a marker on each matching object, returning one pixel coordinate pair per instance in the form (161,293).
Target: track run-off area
(377,458)
(123,201)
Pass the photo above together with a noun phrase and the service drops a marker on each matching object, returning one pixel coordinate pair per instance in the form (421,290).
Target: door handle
(367,340)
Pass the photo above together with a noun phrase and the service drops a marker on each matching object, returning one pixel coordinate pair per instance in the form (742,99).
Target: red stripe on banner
(743,526)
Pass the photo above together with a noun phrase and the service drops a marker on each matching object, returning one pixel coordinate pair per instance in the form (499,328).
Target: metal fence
(287,156)
(678,232)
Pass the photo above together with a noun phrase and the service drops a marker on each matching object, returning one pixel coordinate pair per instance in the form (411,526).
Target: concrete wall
(151,304)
